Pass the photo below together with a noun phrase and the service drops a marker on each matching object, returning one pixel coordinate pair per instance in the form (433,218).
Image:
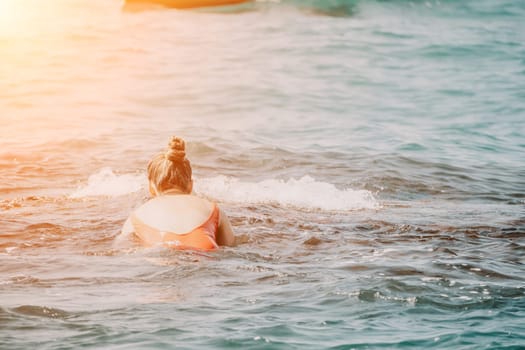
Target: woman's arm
(125,233)
(225,233)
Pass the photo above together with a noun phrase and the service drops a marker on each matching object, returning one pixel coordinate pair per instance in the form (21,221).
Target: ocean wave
(106,183)
(41,311)
(305,192)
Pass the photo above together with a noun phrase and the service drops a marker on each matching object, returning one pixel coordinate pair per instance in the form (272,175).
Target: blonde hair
(171,169)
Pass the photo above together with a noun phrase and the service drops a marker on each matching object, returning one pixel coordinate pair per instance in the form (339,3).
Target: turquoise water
(368,153)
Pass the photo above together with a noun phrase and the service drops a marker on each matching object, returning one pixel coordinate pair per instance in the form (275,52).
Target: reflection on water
(370,161)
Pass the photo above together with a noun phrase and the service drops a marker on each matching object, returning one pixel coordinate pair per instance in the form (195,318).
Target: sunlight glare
(11,16)
(21,17)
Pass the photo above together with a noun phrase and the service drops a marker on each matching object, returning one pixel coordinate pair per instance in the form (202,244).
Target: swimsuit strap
(211,224)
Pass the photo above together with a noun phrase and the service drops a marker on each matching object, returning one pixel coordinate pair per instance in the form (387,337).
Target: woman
(174,217)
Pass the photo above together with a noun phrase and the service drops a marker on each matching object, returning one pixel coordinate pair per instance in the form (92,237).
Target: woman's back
(174,213)
(183,222)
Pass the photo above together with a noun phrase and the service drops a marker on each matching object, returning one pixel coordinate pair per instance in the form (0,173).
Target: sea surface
(370,155)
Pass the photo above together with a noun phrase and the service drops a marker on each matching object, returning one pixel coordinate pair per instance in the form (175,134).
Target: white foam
(106,183)
(305,192)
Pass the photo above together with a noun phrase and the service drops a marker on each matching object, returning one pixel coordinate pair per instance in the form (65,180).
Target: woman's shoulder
(175,203)
(179,213)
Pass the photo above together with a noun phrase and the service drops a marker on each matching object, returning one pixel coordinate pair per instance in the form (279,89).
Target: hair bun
(176,150)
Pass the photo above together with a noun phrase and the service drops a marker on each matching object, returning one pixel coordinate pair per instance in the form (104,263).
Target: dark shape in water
(331,8)
(41,311)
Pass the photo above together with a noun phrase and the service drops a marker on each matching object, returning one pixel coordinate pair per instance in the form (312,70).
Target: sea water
(370,155)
